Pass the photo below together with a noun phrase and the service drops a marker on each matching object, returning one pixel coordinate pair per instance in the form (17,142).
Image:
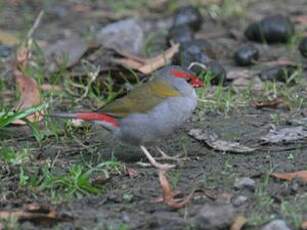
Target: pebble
(5,51)
(197,50)
(180,34)
(271,29)
(239,200)
(214,217)
(303,47)
(124,35)
(245,183)
(188,15)
(276,225)
(277,73)
(246,55)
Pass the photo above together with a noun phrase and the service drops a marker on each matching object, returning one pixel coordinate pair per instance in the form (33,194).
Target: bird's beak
(196,82)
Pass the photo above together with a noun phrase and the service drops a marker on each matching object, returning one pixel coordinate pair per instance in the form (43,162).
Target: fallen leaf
(51,88)
(131,172)
(169,195)
(304,225)
(147,66)
(238,223)
(65,53)
(211,139)
(8,38)
(274,103)
(289,176)
(301,19)
(285,135)
(29,92)
(34,213)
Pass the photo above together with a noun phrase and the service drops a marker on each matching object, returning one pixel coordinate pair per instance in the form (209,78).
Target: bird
(149,112)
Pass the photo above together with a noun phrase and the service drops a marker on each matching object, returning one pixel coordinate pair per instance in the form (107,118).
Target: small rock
(64,52)
(197,50)
(218,73)
(239,200)
(276,225)
(245,183)
(278,73)
(214,217)
(271,29)
(246,55)
(124,35)
(190,16)
(5,51)
(180,34)
(303,47)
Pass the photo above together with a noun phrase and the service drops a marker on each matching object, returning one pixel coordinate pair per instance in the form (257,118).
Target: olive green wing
(141,99)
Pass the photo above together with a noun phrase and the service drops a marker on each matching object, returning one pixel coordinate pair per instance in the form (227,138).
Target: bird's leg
(169,196)
(168,157)
(163,167)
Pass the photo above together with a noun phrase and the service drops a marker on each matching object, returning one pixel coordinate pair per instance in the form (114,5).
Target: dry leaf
(238,223)
(147,66)
(304,225)
(8,38)
(285,135)
(51,88)
(289,176)
(131,172)
(273,104)
(29,92)
(211,139)
(35,213)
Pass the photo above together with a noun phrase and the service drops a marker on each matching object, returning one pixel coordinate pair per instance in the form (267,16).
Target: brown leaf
(51,88)
(238,223)
(304,225)
(8,38)
(35,213)
(147,66)
(29,92)
(131,172)
(289,176)
(301,19)
(273,104)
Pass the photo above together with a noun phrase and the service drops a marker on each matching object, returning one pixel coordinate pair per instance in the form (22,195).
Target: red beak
(194,81)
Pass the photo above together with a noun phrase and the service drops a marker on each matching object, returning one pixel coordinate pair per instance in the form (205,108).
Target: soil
(128,201)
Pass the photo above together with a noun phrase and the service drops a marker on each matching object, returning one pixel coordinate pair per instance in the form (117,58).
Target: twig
(35,24)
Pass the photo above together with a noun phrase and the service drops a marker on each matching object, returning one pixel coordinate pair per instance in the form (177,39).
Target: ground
(96,183)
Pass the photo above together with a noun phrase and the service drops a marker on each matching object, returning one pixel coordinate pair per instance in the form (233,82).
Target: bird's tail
(105,120)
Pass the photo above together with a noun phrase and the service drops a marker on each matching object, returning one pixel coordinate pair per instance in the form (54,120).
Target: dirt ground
(127,202)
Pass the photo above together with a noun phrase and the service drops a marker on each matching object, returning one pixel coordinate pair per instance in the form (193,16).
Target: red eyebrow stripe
(98,117)
(181,74)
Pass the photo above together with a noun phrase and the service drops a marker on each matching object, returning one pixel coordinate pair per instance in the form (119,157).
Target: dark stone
(246,55)
(303,47)
(197,50)
(214,217)
(180,34)
(277,73)
(190,16)
(5,51)
(271,29)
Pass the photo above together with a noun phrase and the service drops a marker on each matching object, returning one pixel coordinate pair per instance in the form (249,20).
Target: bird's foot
(165,156)
(169,196)
(153,162)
